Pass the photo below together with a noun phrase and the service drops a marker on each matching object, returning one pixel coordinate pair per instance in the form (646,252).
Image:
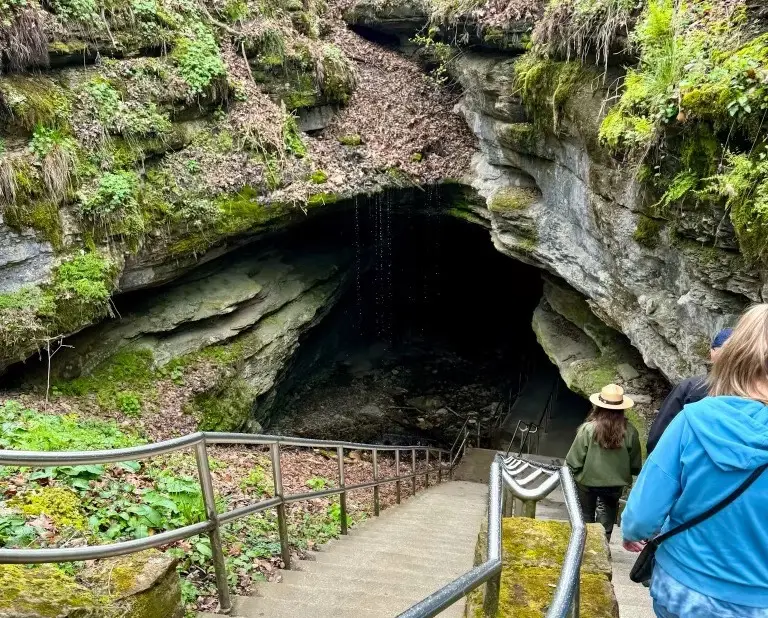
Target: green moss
(511,199)
(227,408)
(338,76)
(350,140)
(33,101)
(590,375)
(546,86)
(318,177)
(417,157)
(21,586)
(198,58)
(519,135)
(647,231)
(41,216)
(60,504)
(321,199)
(120,381)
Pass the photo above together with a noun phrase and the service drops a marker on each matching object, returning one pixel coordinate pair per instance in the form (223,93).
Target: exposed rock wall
(205,352)
(667,299)
(156,136)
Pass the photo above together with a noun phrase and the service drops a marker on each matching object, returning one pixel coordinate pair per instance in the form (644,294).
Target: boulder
(143,585)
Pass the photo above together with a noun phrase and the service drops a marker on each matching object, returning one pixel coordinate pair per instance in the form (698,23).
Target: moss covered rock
(143,585)
(532,553)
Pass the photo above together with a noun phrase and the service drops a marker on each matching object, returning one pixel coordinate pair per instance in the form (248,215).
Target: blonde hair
(741,368)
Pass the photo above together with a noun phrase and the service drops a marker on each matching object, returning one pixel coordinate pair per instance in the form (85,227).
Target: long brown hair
(741,367)
(610,427)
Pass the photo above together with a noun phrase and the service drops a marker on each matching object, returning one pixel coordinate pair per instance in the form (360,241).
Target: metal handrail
(200,441)
(504,476)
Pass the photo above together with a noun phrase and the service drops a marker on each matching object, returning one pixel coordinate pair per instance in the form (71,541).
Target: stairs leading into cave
(384,565)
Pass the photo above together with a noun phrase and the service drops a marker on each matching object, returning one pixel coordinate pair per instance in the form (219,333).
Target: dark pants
(608,497)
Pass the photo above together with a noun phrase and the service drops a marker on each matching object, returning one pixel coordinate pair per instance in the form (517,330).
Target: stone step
(386,565)
(327,606)
(320,577)
(415,546)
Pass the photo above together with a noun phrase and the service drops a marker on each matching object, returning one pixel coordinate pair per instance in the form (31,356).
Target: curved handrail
(200,441)
(565,603)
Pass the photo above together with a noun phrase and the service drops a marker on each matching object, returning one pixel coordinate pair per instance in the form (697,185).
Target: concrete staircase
(384,565)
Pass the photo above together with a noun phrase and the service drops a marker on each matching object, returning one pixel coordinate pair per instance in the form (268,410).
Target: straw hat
(612,397)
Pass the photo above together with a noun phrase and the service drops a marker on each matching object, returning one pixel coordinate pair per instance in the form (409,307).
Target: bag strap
(715,509)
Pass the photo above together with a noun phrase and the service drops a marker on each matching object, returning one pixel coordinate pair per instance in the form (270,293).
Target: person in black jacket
(688,391)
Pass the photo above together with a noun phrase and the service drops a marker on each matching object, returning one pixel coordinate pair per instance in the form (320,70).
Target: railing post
(342,495)
(426,476)
(282,524)
(493,585)
(397,474)
(439,467)
(219,564)
(529,509)
(413,469)
(375,487)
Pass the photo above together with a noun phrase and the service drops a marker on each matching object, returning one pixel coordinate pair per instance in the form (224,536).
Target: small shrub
(114,196)
(197,56)
(129,403)
(56,152)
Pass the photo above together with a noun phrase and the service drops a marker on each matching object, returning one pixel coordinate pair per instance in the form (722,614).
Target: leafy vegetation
(107,503)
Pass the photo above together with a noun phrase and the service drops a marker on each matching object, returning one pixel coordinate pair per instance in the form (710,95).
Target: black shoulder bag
(643,568)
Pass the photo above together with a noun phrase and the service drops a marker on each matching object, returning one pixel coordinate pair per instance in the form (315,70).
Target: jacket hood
(733,431)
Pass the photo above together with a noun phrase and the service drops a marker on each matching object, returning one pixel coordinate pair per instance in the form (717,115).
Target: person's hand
(634,546)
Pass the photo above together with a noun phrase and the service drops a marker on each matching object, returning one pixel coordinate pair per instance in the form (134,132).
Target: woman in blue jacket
(719,568)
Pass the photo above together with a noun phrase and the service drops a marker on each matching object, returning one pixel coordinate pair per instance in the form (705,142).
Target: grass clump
(29,101)
(337,76)
(578,28)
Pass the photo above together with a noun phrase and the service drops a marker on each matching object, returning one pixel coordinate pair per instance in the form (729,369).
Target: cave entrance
(435,326)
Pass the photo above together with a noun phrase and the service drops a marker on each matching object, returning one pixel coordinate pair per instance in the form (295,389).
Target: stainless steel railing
(200,442)
(529,482)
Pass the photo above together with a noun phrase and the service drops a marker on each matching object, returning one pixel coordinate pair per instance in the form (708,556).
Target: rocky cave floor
(416,392)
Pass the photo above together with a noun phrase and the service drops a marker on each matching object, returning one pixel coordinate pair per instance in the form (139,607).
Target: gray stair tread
(385,565)
(634,599)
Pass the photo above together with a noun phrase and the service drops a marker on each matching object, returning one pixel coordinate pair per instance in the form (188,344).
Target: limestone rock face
(239,321)
(24,258)
(143,585)
(669,296)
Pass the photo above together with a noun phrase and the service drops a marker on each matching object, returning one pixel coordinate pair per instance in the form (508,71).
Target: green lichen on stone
(528,592)
(60,504)
(22,588)
(535,542)
(519,135)
(226,408)
(546,86)
(590,375)
(639,423)
(511,199)
(647,232)
(350,140)
(532,554)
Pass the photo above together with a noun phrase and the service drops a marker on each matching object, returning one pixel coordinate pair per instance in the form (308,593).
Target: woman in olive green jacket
(604,456)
